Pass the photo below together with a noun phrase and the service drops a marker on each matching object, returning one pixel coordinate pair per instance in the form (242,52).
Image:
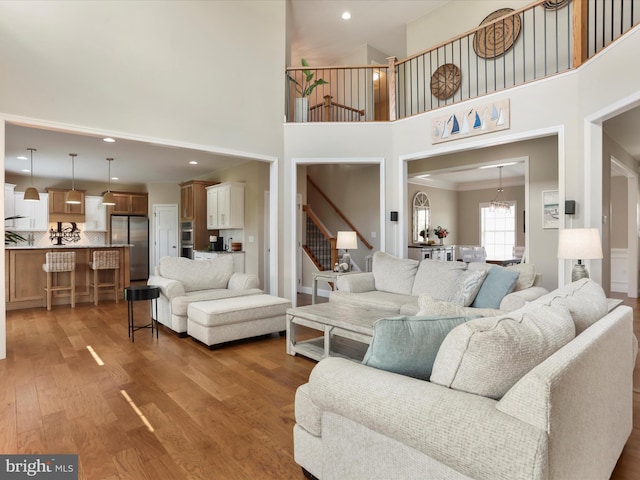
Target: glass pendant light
(108,198)
(73,196)
(31,194)
(499,204)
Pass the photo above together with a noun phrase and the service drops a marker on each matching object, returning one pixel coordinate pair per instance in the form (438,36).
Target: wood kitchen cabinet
(193,208)
(60,211)
(130,203)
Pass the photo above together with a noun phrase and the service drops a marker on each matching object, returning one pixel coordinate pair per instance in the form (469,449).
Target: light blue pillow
(409,345)
(498,283)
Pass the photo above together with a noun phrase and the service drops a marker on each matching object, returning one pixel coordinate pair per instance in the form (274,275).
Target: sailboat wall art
(472,121)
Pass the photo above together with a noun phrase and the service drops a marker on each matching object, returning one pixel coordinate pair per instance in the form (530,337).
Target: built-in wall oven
(186,239)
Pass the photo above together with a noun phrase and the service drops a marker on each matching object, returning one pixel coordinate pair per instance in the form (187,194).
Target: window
(498,231)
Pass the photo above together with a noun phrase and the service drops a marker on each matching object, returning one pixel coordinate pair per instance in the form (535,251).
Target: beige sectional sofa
(543,392)
(400,285)
(183,281)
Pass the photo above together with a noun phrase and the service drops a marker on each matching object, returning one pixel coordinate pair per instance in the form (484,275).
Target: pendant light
(499,204)
(31,194)
(73,196)
(108,198)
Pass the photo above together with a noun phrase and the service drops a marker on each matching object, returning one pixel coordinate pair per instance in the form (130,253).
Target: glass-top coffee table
(346,330)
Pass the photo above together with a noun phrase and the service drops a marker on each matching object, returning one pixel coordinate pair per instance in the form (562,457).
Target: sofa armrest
(356,282)
(515,300)
(168,287)
(243,281)
(458,429)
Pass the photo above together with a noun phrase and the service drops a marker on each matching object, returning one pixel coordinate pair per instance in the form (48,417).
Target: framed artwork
(550,209)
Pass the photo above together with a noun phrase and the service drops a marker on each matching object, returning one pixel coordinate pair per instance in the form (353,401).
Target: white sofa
(565,416)
(398,285)
(183,281)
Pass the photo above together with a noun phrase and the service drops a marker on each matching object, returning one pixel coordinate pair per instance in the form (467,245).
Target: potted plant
(304,89)
(12,237)
(441,233)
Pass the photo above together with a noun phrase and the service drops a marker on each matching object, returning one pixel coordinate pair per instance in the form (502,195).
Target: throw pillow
(408,345)
(467,287)
(437,278)
(527,275)
(498,283)
(487,356)
(392,274)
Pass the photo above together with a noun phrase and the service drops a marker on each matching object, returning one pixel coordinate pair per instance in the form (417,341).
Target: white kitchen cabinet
(238,258)
(9,204)
(95,214)
(225,206)
(35,214)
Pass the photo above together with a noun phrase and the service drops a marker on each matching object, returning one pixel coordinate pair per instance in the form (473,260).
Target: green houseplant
(304,89)
(12,237)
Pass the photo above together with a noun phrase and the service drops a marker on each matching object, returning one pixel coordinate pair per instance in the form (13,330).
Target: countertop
(218,252)
(49,247)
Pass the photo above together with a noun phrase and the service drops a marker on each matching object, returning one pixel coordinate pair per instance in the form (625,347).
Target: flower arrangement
(440,232)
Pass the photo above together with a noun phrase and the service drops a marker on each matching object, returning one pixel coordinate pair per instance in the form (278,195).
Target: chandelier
(499,204)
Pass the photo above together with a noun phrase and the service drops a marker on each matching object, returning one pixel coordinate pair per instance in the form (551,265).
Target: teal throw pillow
(409,345)
(498,283)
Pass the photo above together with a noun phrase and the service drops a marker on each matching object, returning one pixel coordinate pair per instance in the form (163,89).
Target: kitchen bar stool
(104,260)
(57,262)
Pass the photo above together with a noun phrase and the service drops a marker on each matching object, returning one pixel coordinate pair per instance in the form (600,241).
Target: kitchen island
(25,280)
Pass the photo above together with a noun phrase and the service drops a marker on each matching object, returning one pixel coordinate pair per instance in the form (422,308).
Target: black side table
(137,293)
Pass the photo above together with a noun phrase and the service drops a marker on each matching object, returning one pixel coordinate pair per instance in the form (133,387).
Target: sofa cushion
(585,300)
(390,302)
(408,345)
(467,287)
(392,274)
(487,356)
(498,283)
(430,306)
(437,278)
(198,274)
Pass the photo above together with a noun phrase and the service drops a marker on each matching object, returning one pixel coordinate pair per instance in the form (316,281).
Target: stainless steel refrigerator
(133,230)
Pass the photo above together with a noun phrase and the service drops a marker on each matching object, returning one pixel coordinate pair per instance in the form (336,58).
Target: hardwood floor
(224,414)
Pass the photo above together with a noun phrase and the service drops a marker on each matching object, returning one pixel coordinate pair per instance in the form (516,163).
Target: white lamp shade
(347,241)
(579,244)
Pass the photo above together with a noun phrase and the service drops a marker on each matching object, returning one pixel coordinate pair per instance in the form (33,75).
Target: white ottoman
(218,321)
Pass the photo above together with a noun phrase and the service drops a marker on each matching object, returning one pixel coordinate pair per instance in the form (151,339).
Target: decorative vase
(301,110)
(441,240)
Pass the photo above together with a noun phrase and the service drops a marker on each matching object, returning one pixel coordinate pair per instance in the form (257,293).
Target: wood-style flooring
(226,413)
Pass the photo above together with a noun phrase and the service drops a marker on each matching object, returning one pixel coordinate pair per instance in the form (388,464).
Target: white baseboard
(309,291)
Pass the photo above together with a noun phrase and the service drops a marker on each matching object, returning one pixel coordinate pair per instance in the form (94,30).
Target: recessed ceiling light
(346,16)
(109,140)
(25,170)
(115,178)
(424,175)
(21,157)
(193,162)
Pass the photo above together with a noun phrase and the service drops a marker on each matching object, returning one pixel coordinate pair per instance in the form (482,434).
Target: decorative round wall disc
(555,4)
(494,40)
(445,81)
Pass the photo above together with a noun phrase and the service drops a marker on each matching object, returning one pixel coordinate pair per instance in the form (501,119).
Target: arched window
(421,217)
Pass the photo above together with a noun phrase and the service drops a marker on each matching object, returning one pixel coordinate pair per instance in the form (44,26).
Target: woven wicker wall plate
(445,81)
(499,37)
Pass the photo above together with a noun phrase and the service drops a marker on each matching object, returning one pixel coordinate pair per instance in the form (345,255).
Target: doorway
(165,232)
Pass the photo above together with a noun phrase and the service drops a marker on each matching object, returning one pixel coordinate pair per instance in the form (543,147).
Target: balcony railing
(509,48)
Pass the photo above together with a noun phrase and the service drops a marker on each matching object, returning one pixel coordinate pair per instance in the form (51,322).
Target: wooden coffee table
(346,330)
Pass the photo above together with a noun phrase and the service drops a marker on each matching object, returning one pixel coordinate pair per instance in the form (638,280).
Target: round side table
(138,293)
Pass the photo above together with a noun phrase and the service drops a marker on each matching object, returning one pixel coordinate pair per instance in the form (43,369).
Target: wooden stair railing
(342,215)
(313,218)
(330,111)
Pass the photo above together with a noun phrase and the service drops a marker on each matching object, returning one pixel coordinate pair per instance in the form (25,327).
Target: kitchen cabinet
(96,216)
(130,203)
(225,206)
(60,211)
(35,214)
(8,203)
(193,208)
(238,258)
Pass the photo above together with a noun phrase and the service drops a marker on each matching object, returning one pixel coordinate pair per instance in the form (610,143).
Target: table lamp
(347,241)
(580,244)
